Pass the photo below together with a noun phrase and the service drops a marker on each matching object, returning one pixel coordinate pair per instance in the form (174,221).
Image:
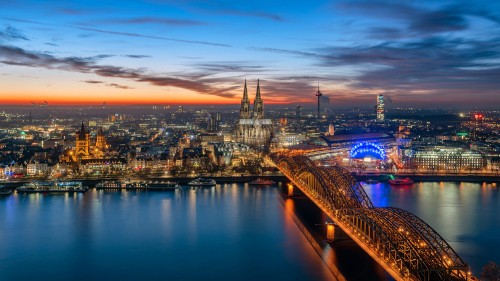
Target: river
(230,232)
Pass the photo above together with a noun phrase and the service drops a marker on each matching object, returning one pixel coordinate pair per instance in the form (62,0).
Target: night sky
(416,53)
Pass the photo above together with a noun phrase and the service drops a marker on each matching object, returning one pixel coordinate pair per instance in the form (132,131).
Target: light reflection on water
(464,214)
(231,232)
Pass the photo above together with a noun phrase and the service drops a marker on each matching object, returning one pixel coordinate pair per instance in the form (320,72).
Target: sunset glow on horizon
(426,53)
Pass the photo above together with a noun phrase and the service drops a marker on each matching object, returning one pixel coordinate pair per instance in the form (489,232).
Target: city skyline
(426,53)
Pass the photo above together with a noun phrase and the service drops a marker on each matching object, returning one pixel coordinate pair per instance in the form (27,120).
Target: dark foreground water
(231,232)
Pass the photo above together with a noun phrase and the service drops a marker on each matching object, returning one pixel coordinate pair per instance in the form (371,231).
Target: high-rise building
(253,129)
(298,112)
(380,108)
(214,122)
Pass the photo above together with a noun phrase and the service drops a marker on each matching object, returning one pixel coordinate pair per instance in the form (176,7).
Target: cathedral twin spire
(258,104)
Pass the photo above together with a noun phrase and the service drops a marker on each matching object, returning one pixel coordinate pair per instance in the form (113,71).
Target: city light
(361,150)
(145,138)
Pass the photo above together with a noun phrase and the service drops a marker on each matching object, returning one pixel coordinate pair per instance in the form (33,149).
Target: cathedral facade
(84,149)
(252,128)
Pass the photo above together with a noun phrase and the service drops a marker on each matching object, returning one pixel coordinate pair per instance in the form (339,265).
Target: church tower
(252,129)
(82,143)
(245,104)
(100,142)
(258,104)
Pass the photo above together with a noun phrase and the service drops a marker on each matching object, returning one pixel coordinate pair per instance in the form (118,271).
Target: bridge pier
(330,232)
(334,233)
(290,190)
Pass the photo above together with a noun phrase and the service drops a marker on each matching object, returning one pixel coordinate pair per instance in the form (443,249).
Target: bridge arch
(407,247)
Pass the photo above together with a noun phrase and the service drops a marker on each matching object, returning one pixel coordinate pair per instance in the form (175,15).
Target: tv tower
(318,94)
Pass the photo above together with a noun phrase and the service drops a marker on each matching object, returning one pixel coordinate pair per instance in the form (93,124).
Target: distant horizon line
(277,104)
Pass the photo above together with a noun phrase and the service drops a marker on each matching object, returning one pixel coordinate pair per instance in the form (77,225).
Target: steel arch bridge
(403,244)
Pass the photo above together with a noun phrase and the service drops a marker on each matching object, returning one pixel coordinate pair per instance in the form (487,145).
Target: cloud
(17,56)
(386,33)
(258,14)
(286,51)
(130,34)
(230,8)
(228,66)
(109,84)
(439,21)
(430,66)
(414,20)
(119,86)
(11,33)
(432,69)
(155,20)
(137,56)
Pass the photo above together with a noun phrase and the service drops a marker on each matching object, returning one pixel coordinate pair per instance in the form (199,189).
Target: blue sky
(422,53)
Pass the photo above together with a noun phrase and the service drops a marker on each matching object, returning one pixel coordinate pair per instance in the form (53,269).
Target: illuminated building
(252,128)
(367,149)
(380,108)
(35,168)
(286,139)
(331,130)
(100,140)
(83,147)
(446,158)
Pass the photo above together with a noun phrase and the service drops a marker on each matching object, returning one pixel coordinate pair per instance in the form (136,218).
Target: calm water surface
(231,232)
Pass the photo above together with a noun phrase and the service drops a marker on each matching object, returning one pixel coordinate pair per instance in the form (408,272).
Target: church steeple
(245,92)
(82,145)
(82,132)
(257,96)
(258,104)
(245,104)
(100,140)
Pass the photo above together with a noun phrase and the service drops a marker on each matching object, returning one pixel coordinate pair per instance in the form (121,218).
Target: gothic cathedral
(252,128)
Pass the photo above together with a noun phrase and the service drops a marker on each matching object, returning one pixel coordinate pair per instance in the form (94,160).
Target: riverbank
(92,181)
(428,178)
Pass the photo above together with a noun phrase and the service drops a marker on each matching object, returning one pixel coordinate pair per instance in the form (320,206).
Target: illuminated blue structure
(367,149)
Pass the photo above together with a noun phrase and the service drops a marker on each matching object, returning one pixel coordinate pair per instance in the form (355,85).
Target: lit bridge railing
(403,244)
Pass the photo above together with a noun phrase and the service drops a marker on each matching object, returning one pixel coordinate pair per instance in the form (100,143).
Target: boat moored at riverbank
(138,185)
(261,182)
(401,182)
(52,187)
(202,182)
(168,185)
